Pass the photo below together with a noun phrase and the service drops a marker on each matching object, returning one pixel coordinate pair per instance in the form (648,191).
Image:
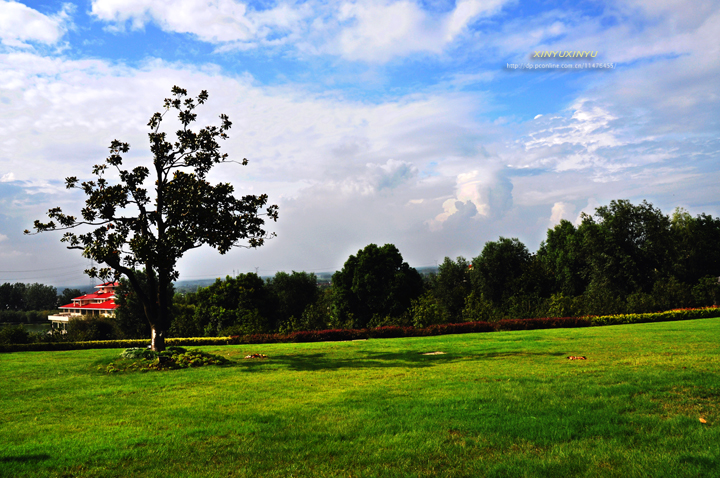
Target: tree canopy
(375,283)
(134,227)
(19,296)
(497,270)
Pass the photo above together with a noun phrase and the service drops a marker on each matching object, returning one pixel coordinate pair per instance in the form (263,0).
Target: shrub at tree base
(141,360)
(336,335)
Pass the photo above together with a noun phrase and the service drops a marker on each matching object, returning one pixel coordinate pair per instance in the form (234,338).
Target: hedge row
(385,332)
(670,315)
(111,344)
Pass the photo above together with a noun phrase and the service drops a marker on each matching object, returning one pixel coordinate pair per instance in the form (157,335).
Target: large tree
(452,285)
(564,259)
(40,297)
(376,283)
(293,293)
(241,303)
(498,269)
(135,227)
(629,247)
(696,252)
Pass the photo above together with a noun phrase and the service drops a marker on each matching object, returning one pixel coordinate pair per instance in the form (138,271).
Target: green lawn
(495,404)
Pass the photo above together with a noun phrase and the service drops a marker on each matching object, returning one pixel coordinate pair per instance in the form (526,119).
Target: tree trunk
(158,339)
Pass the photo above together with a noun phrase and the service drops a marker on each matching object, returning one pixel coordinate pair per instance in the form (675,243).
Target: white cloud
(3,237)
(218,21)
(589,127)
(20,24)
(592,204)
(388,168)
(371,31)
(478,193)
(356,164)
(561,210)
(377,31)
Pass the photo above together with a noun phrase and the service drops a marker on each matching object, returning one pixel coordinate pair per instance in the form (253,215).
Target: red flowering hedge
(388,332)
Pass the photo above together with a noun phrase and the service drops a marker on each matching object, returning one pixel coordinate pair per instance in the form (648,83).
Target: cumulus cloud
(20,24)
(561,210)
(486,193)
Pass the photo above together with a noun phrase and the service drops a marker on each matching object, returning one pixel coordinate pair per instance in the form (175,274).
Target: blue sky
(366,121)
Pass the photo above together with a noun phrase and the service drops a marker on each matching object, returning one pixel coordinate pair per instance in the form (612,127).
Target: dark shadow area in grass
(25,458)
(520,353)
(369,359)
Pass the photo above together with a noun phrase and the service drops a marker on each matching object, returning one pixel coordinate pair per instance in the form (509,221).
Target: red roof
(106,295)
(107,298)
(107,305)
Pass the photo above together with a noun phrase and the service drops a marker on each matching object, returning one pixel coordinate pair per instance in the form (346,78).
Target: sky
(434,126)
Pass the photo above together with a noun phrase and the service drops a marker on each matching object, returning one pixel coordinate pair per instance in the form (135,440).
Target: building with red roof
(101,303)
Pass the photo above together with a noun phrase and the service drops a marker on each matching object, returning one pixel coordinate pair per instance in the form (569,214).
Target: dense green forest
(28,303)
(625,258)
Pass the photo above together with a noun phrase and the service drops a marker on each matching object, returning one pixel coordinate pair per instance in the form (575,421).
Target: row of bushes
(111,344)
(670,315)
(384,332)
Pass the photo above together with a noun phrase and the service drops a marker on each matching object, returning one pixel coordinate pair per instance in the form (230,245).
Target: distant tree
(185,323)
(68,295)
(629,247)
(185,211)
(293,293)
(451,286)
(697,254)
(498,269)
(241,303)
(565,260)
(374,283)
(40,297)
(707,291)
(427,310)
(318,315)
(12,296)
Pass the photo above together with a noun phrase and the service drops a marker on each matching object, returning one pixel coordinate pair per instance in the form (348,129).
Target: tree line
(625,258)
(20,302)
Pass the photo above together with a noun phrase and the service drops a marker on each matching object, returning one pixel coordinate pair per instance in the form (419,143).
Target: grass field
(504,404)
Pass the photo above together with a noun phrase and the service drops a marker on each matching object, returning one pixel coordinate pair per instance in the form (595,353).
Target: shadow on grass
(25,458)
(369,359)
